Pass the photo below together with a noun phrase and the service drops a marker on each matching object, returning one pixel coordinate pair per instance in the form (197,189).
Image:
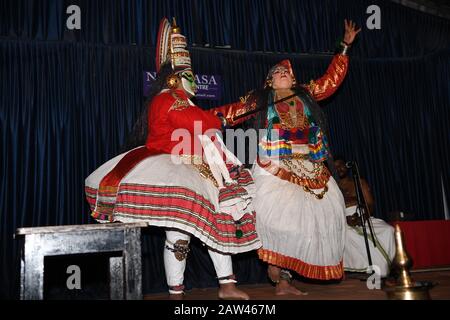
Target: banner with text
(209,86)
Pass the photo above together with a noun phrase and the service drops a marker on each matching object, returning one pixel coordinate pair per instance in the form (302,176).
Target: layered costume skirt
(299,230)
(164,191)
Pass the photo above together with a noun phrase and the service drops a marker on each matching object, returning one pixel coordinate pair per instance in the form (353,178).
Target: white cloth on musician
(355,253)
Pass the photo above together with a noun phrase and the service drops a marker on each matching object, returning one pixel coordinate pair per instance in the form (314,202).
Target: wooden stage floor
(351,288)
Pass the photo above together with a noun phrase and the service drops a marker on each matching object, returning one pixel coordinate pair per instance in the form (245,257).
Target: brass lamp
(405,288)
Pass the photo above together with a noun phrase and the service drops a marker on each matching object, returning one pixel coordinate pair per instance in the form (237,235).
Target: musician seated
(355,252)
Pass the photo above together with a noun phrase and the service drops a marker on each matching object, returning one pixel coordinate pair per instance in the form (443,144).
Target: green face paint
(188,81)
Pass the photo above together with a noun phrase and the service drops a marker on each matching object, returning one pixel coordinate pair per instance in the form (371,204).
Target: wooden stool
(125,272)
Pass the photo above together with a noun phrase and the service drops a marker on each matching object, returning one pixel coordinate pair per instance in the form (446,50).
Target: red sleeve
(326,85)
(231,111)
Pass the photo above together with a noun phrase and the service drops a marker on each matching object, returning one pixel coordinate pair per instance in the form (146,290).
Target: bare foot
(228,291)
(284,288)
(274,273)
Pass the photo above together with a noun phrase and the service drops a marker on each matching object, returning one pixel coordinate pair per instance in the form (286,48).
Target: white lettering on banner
(205,79)
(208,86)
(151,76)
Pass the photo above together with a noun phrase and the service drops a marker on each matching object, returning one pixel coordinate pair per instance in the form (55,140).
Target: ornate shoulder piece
(246,97)
(179,103)
(249,100)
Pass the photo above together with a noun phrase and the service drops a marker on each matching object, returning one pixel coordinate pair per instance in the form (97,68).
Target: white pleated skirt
(297,230)
(164,192)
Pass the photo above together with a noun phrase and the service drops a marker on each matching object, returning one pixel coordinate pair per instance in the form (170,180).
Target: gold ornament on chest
(179,103)
(291,114)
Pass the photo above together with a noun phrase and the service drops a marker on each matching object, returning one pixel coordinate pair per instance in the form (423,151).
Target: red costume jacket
(320,89)
(171,110)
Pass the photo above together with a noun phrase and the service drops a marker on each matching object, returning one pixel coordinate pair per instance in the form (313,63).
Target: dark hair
(263,97)
(138,135)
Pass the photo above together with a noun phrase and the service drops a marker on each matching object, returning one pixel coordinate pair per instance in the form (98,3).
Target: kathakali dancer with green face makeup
(179,179)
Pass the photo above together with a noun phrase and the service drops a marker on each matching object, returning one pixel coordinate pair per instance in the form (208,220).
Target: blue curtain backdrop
(69,98)
(253,25)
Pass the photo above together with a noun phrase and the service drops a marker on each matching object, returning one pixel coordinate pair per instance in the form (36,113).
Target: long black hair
(262,98)
(138,135)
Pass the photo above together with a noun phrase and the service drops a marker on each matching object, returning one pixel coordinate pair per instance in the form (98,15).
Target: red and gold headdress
(286,64)
(171,46)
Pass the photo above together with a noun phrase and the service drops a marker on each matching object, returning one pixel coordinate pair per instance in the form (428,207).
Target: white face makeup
(281,79)
(188,82)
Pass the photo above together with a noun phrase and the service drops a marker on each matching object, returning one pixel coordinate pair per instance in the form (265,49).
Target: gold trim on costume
(293,119)
(203,168)
(302,268)
(320,175)
(330,81)
(179,103)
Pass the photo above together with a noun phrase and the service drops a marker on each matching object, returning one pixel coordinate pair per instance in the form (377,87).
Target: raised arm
(326,85)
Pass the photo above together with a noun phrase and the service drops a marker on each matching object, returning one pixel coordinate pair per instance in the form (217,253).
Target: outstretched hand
(350,31)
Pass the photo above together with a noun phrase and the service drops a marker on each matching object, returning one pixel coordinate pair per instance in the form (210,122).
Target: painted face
(281,78)
(188,82)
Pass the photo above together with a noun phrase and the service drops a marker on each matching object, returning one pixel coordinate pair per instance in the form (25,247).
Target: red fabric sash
(107,191)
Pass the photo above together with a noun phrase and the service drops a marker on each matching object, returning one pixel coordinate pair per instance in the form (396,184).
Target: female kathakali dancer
(300,209)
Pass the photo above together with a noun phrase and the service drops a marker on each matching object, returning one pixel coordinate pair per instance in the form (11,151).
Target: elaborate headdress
(171,46)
